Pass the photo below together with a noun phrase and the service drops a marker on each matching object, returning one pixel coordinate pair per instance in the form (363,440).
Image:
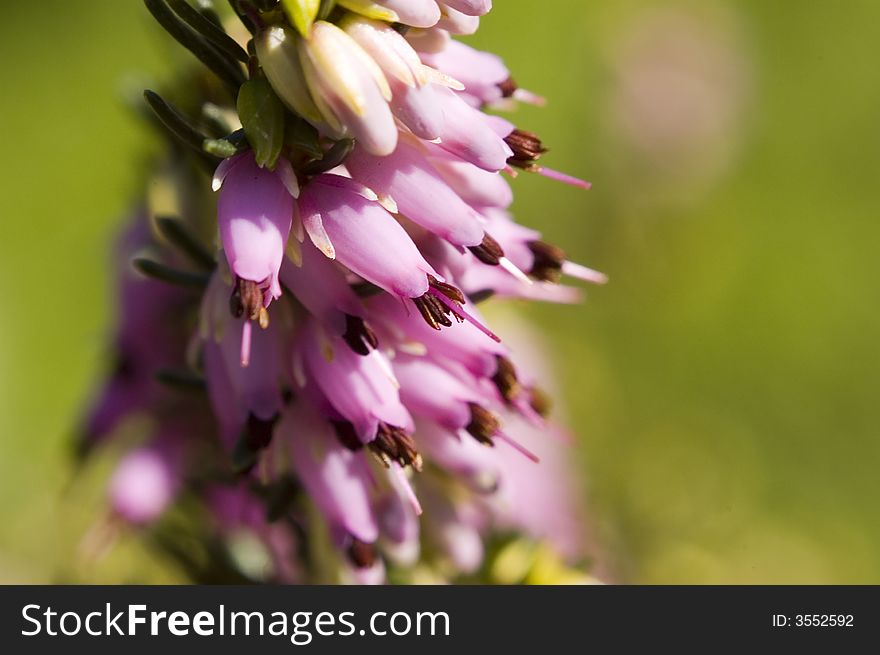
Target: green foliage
(262,116)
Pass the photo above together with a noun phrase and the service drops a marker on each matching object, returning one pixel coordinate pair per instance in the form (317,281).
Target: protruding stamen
(444,300)
(484,424)
(362,554)
(358,335)
(540,401)
(451,292)
(548,261)
(246,338)
(433,311)
(560,177)
(511,268)
(529,98)
(392,444)
(246,299)
(523,407)
(432,308)
(527,148)
(518,447)
(489,251)
(508,87)
(505,379)
(462,315)
(583,273)
(263,318)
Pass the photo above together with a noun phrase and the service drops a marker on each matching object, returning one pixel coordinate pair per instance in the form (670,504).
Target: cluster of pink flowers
(330,337)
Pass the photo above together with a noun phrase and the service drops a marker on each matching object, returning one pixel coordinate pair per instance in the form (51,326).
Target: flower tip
(246,344)
(565,179)
(528,454)
(529,98)
(583,273)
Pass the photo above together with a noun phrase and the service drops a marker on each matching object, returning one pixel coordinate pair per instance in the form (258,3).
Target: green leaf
(226,68)
(159,271)
(182,236)
(262,116)
(331,159)
(176,123)
(302,13)
(208,29)
(301,135)
(181,128)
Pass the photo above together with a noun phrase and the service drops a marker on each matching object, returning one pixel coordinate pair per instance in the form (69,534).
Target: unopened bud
(394,55)
(277,53)
(348,87)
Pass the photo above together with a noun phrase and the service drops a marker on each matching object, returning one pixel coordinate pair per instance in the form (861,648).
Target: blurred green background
(723,384)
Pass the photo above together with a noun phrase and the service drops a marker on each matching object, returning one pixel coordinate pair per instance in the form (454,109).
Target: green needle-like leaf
(262,116)
(165,273)
(225,68)
(180,127)
(179,233)
(204,26)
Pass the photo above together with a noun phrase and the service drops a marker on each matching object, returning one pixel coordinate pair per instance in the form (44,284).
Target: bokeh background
(724,383)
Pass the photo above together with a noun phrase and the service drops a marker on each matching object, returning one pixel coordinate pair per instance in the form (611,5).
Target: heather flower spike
(327,383)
